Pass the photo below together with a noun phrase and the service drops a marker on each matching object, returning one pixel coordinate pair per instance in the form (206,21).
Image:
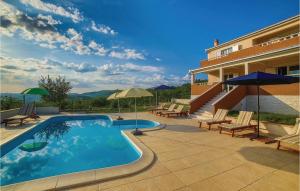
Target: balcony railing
(279,39)
(276,44)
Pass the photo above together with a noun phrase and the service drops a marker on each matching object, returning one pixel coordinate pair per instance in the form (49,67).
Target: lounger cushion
(285,137)
(17,117)
(233,126)
(206,120)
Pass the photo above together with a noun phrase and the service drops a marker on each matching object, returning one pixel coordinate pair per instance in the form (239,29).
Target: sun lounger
(242,123)
(218,118)
(292,138)
(178,111)
(171,108)
(161,107)
(25,112)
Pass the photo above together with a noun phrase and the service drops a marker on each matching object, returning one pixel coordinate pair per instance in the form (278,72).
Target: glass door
(227,88)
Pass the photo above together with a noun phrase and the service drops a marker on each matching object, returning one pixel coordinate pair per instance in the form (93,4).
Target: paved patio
(193,159)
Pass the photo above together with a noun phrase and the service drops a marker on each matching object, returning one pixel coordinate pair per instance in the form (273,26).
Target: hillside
(86,95)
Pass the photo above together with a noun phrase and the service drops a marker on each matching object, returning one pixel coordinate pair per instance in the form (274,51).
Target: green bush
(7,102)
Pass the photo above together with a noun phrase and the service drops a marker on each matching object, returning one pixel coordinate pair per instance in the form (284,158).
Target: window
(282,70)
(226,51)
(294,70)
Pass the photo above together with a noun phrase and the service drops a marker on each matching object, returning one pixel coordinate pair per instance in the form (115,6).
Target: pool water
(64,145)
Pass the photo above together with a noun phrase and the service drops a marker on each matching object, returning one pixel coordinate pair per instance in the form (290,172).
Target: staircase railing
(231,99)
(198,102)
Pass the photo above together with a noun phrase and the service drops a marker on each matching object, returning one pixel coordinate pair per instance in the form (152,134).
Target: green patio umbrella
(113,97)
(134,93)
(34,91)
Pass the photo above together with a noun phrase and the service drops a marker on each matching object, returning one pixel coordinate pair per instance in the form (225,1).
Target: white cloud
(82,67)
(50,20)
(45,45)
(75,43)
(119,69)
(22,65)
(40,30)
(19,73)
(102,29)
(158,59)
(127,54)
(100,50)
(72,13)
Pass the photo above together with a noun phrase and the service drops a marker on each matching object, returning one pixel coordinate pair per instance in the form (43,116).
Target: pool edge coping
(94,176)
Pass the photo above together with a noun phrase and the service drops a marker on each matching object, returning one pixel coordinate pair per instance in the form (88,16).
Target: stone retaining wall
(281,104)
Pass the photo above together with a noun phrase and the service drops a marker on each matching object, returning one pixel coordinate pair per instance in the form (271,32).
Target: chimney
(216,42)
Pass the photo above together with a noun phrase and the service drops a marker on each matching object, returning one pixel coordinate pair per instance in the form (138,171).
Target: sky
(117,44)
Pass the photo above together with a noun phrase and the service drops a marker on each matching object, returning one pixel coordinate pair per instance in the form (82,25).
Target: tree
(8,102)
(58,89)
(99,102)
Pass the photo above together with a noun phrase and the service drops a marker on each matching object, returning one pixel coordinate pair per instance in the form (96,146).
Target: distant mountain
(102,93)
(88,95)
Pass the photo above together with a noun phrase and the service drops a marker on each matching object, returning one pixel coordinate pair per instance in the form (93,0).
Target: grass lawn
(271,117)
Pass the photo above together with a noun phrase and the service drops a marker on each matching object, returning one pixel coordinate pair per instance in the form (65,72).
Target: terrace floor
(193,159)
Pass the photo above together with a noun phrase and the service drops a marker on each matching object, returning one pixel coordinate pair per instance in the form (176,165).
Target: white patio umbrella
(113,97)
(134,93)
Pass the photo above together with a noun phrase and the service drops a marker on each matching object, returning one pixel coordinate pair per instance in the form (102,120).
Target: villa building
(273,49)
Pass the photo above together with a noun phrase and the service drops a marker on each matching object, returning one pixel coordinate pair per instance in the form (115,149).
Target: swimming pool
(68,144)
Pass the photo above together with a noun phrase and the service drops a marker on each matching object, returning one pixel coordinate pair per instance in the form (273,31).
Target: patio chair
(292,138)
(242,123)
(171,108)
(162,106)
(25,112)
(218,118)
(178,111)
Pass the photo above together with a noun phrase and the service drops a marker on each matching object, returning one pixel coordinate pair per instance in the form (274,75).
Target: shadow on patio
(271,157)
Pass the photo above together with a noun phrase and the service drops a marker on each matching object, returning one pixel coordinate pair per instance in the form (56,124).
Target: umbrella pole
(258,108)
(119,106)
(135,114)
(156,99)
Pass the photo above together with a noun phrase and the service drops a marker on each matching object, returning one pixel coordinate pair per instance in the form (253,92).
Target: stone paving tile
(277,181)
(168,182)
(211,185)
(193,159)
(34,186)
(76,178)
(143,185)
(196,173)
(186,188)
(86,188)
(156,170)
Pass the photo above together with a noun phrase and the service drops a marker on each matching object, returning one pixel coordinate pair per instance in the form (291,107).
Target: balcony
(280,43)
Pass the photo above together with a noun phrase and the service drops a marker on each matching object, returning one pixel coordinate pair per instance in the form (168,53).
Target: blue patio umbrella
(162,87)
(258,79)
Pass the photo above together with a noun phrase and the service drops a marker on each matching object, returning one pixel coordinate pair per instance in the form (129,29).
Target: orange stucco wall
(284,89)
(197,89)
(251,51)
(279,31)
